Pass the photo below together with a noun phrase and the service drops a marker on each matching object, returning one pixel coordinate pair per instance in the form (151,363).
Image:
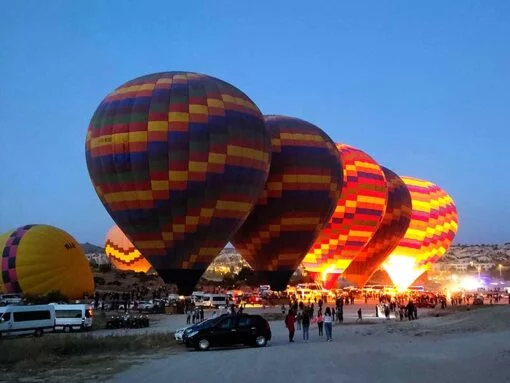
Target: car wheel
(260,341)
(203,344)
(67,329)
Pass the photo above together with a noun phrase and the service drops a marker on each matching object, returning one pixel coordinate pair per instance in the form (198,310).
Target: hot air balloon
(430,233)
(39,259)
(300,195)
(357,216)
(178,159)
(392,229)
(122,253)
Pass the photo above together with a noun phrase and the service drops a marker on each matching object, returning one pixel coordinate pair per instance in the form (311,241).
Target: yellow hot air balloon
(39,259)
(122,253)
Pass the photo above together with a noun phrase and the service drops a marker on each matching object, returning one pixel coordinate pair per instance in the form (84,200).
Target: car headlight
(192,334)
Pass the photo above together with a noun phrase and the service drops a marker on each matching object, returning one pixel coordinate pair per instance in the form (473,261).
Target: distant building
(98,258)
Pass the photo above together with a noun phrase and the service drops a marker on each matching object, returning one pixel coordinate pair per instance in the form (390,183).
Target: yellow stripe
(128,196)
(274,186)
(301,137)
(157,126)
(234,206)
(217,158)
(370,199)
(176,175)
(198,109)
(211,251)
(178,117)
(114,253)
(195,166)
(160,185)
(150,244)
(306,179)
(192,220)
(238,101)
(215,103)
(358,233)
(206,212)
(300,221)
(239,151)
(133,88)
(367,165)
(118,138)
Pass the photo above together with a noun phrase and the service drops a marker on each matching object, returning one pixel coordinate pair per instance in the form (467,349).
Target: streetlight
(500,267)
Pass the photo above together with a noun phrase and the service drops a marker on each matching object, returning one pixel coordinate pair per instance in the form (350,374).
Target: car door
(224,332)
(246,330)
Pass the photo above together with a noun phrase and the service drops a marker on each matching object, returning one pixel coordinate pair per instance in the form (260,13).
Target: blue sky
(424,87)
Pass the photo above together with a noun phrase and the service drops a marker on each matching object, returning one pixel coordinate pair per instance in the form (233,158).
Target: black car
(228,330)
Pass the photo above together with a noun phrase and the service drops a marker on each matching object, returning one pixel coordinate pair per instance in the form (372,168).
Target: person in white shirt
(328,324)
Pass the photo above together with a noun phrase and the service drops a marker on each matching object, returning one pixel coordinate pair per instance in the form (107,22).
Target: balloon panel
(178,159)
(431,231)
(300,195)
(388,235)
(357,216)
(38,259)
(122,253)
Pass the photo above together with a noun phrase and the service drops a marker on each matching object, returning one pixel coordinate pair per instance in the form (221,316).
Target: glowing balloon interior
(431,231)
(122,253)
(358,214)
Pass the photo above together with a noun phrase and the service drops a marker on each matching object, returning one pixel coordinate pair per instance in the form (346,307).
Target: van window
(68,313)
(219,299)
(6,317)
(25,316)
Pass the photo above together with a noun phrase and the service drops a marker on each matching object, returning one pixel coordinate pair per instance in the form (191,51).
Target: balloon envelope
(357,216)
(300,195)
(122,253)
(39,259)
(178,160)
(392,229)
(430,233)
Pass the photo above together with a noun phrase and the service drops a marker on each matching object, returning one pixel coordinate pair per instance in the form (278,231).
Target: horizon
(422,88)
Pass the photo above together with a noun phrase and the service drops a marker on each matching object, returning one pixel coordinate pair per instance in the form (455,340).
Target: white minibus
(70,317)
(22,320)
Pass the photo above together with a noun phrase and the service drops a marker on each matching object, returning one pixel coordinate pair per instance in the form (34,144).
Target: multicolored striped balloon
(122,253)
(392,229)
(300,195)
(178,159)
(431,231)
(357,216)
(40,259)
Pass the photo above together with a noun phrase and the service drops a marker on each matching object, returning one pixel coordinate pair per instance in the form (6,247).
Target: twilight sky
(424,87)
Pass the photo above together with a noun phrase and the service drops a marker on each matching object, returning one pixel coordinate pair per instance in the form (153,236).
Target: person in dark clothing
(360,317)
(290,319)
(305,321)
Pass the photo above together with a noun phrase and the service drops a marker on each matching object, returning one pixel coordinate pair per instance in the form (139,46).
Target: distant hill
(90,248)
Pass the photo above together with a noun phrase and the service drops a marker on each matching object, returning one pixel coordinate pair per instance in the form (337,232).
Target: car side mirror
(2,320)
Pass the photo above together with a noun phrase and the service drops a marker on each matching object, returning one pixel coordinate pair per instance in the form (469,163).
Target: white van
(197,298)
(22,320)
(72,317)
(214,300)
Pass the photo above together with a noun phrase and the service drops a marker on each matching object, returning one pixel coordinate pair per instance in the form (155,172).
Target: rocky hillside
(89,248)
(477,254)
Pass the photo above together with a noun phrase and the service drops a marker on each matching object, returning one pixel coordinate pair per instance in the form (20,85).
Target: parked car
(179,334)
(10,299)
(229,330)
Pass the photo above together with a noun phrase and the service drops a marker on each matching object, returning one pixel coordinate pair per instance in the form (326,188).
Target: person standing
(290,319)
(320,322)
(305,321)
(328,324)
(299,318)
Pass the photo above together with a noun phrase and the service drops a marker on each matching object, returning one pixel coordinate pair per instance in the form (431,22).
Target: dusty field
(442,346)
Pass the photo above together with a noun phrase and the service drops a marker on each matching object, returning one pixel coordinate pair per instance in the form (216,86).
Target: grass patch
(49,350)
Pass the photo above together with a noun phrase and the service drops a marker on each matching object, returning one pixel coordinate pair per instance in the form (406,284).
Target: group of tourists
(302,317)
